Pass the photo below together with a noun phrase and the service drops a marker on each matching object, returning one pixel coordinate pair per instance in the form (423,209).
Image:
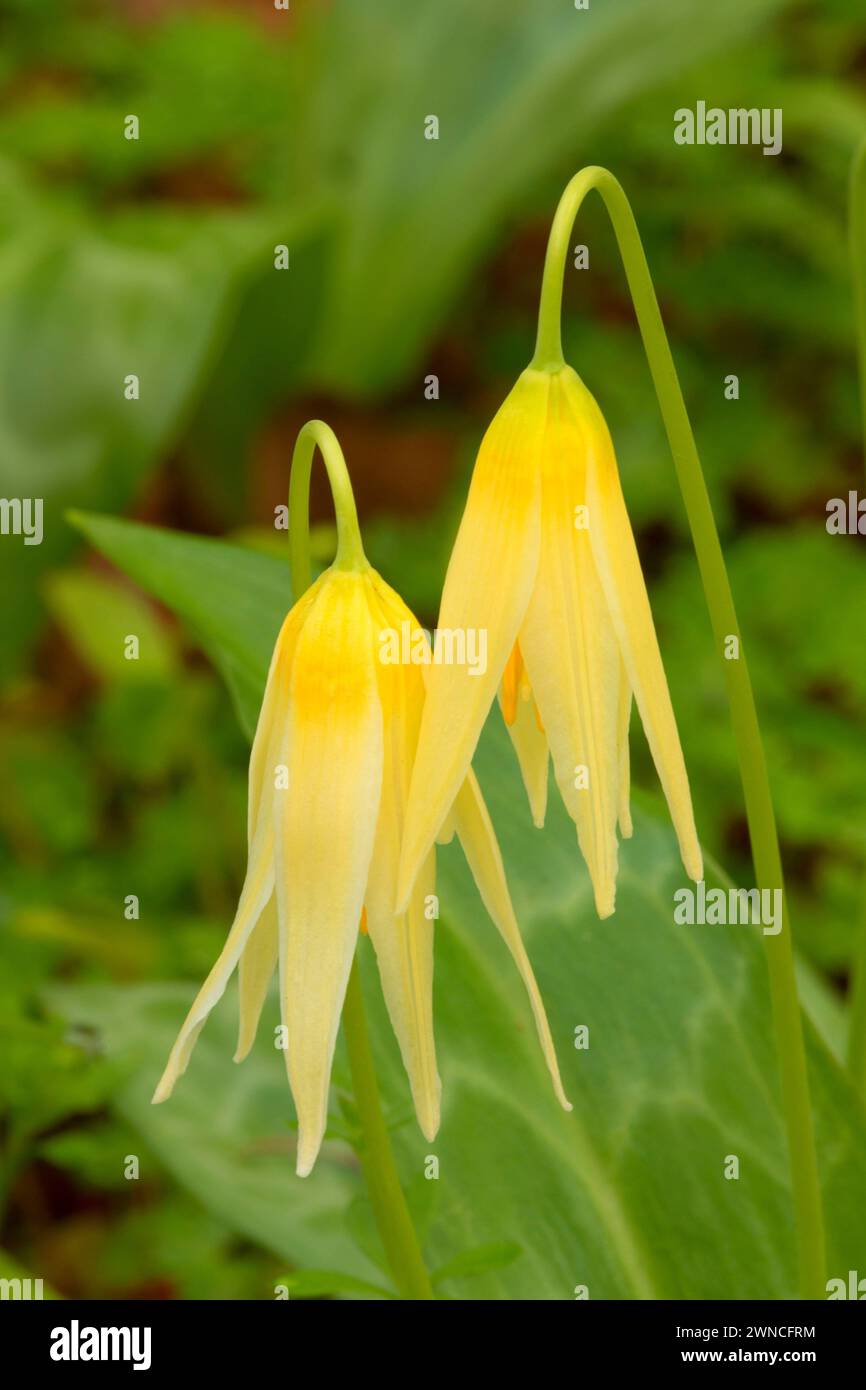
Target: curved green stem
(787,1021)
(390,1209)
(350,551)
(857,235)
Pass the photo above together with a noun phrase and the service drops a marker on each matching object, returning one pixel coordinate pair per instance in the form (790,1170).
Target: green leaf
(478,1261)
(809,671)
(86,302)
(404,255)
(234,600)
(316,1283)
(98,615)
(226,1138)
(626,1194)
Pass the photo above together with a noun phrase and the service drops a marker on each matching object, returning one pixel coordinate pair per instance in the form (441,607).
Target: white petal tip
(566,1104)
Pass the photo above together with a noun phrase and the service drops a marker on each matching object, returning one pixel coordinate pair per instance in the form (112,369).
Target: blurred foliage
(407,257)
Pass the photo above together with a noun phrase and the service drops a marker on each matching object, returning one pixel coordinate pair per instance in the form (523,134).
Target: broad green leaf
(86,302)
(627,1194)
(228,1138)
(552,76)
(234,599)
(98,616)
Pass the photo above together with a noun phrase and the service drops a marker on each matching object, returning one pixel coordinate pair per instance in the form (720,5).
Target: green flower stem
(390,1209)
(386,1195)
(350,551)
(750,750)
(857,231)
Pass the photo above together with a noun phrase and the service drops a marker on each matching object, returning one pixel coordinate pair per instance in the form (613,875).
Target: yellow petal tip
(307,1154)
(694,865)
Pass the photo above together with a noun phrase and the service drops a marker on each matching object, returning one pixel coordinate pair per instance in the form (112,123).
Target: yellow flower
(329,777)
(546,563)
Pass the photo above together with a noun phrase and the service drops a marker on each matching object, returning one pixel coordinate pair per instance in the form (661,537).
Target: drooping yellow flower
(545,561)
(329,778)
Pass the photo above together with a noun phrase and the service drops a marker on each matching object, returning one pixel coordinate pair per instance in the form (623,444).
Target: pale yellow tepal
(545,562)
(329,778)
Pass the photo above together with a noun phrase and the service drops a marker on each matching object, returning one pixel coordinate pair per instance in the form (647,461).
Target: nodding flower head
(545,560)
(329,777)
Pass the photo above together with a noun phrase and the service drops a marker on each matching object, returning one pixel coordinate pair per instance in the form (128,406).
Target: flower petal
(259,885)
(273,713)
(259,959)
(404,955)
(571,654)
(257,889)
(479,843)
(403,942)
(523,721)
(325,825)
(487,588)
(622,580)
(255,972)
(624,813)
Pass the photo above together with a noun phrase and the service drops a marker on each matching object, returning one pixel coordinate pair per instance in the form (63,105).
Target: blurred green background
(407,258)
